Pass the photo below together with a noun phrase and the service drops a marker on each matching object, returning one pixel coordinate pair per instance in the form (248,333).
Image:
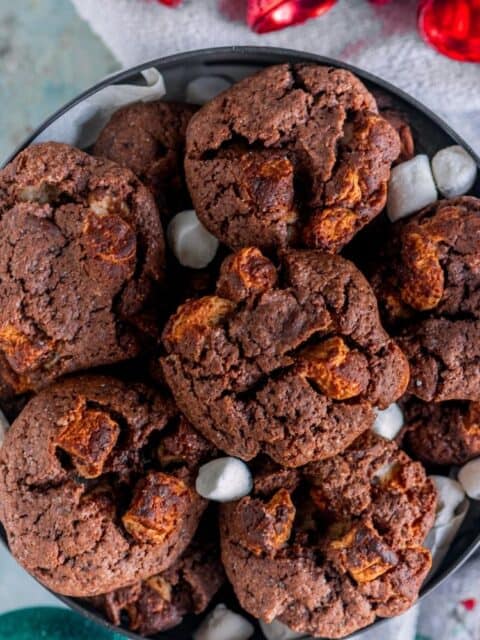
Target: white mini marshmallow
(4,424)
(469,478)
(385,471)
(411,188)
(223,624)
(276,630)
(389,421)
(450,496)
(191,243)
(224,480)
(204,88)
(454,171)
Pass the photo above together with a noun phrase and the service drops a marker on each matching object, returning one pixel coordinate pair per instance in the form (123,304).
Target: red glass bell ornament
(270,15)
(452,27)
(170,3)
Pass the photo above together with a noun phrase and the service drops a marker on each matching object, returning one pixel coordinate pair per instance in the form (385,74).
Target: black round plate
(430,133)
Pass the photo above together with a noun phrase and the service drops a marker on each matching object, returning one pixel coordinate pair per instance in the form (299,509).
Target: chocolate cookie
(149,139)
(400,123)
(344,547)
(81,252)
(161,602)
(288,363)
(87,500)
(444,433)
(296,154)
(428,285)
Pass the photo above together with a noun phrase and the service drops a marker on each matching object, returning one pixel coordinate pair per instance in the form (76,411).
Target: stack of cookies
(200,413)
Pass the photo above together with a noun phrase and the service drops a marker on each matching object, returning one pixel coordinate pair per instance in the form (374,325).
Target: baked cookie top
(81,253)
(294,155)
(288,362)
(160,602)
(336,549)
(442,433)
(428,286)
(87,498)
(149,139)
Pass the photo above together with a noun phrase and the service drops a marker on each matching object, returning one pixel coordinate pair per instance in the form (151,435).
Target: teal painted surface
(47,56)
(48,623)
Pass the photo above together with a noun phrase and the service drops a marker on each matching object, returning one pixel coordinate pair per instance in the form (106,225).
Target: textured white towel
(383,40)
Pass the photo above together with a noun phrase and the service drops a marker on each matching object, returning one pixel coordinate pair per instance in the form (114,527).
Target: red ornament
(270,15)
(170,3)
(452,27)
(469,604)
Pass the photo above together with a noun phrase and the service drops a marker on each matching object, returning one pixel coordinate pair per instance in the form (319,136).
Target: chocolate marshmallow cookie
(296,154)
(428,285)
(161,602)
(289,363)
(81,253)
(342,547)
(87,498)
(442,433)
(149,139)
(400,123)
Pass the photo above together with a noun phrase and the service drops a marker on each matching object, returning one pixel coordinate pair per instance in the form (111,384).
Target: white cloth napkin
(382,40)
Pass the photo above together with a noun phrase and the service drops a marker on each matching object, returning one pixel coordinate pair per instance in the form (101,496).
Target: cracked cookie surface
(290,363)
(160,602)
(81,254)
(294,155)
(428,286)
(88,502)
(342,545)
(443,433)
(149,139)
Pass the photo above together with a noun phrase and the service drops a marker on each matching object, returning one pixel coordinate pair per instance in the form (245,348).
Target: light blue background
(18,589)
(47,56)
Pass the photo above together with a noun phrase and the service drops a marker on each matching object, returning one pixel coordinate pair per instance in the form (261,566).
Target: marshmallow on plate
(223,624)
(411,187)
(450,496)
(224,480)
(4,424)
(191,243)
(276,630)
(469,478)
(204,88)
(454,171)
(389,421)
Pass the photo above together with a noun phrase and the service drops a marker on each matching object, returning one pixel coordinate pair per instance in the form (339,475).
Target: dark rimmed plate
(430,133)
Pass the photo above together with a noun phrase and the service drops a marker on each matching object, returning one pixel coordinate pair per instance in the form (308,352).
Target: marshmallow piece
(450,495)
(4,424)
(224,480)
(204,88)
(223,624)
(276,630)
(191,243)
(411,187)
(469,478)
(454,171)
(389,421)
(385,471)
